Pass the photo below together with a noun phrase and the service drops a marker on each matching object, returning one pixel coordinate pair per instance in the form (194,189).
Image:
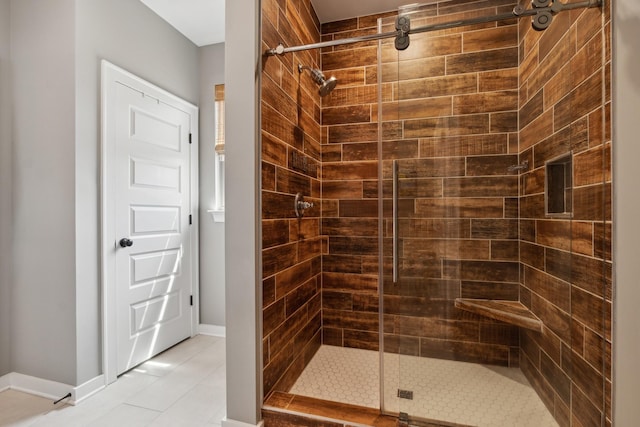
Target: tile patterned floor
(184,386)
(455,392)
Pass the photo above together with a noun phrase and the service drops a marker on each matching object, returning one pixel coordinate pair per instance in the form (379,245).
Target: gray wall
(626,205)
(55,59)
(211,234)
(130,35)
(5,191)
(242,334)
(43,291)
(243,274)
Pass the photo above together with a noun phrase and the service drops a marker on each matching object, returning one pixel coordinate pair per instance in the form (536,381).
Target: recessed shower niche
(559,183)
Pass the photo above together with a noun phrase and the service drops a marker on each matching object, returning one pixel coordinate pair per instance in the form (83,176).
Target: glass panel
(489,309)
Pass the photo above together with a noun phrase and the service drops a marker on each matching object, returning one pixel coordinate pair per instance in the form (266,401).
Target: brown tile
(357,95)
(346,115)
(339,26)
(460,208)
(482,270)
(402,345)
(292,182)
(300,296)
(349,282)
(416,109)
(350,226)
(425,168)
(556,377)
(481,187)
(268,291)
(584,413)
(273,316)
(489,290)
(482,61)
(493,38)
(275,233)
(532,255)
(504,250)
(350,320)
(425,47)
(353,133)
(499,333)
(548,287)
(332,336)
(463,145)
(581,101)
(436,328)
(435,127)
(437,87)
(353,245)
(349,58)
(278,258)
(490,165)
(494,229)
(350,170)
(504,122)
(537,130)
(289,279)
(361,339)
(273,151)
(419,68)
(555,319)
(485,102)
(280,419)
(342,189)
(498,80)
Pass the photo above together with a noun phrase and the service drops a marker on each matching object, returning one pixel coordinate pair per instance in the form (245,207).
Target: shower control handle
(300,205)
(305,205)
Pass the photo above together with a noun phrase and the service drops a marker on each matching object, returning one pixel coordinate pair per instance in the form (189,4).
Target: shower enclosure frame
(399,33)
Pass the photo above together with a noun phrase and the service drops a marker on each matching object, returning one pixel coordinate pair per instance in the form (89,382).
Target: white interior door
(149,228)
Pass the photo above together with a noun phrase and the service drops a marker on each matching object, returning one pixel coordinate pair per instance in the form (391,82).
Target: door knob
(124,242)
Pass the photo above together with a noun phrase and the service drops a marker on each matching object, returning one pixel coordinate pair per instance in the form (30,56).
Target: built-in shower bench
(512,312)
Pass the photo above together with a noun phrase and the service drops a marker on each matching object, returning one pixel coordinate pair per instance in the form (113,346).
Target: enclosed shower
(452,264)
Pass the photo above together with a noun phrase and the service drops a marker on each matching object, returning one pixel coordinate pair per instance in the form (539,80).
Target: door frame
(110,76)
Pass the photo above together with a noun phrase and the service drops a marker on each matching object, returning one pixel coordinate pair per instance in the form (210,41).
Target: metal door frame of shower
(542,13)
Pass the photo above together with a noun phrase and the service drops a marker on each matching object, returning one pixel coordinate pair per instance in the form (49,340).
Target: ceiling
(336,10)
(202,21)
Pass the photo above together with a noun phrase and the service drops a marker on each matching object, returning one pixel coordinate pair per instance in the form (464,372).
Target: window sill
(216,215)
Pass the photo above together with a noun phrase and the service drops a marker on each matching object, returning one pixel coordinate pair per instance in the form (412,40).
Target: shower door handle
(395,221)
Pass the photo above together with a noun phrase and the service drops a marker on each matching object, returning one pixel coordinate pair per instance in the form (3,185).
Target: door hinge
(190,299)
(190,139)
(190,219)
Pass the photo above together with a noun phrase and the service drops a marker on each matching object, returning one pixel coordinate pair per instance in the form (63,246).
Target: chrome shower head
(326,85)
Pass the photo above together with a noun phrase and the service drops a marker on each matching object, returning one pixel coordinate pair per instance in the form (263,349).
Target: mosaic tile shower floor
(455,392)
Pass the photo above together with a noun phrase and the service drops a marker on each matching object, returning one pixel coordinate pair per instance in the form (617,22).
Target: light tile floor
(184,386)
(455,392)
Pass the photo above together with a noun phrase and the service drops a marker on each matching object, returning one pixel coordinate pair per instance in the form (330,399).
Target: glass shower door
(495,172)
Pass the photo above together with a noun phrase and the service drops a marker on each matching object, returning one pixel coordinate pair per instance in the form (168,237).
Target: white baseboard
(87,389)
(39,387)
(233,423)
(212,330)
(5,382)
(51,389)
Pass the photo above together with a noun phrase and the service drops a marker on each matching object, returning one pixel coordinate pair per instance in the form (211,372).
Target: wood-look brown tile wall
(566,263)
(291,163)
(449,118)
